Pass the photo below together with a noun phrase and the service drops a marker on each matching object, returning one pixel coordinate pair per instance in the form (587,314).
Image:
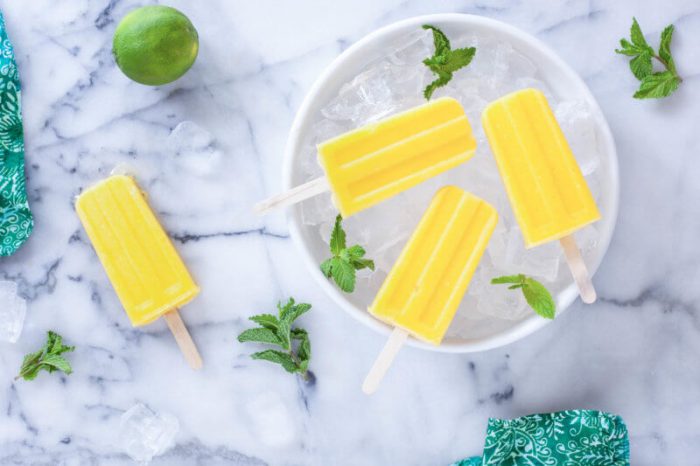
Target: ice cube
(194,148)
(270,421)
(319,209)
(411,49)
(587,239)
(593,182)
(325,130)
(498,301)
(13,310)
(577,123)
(143,433)
(365,99)
(509,253)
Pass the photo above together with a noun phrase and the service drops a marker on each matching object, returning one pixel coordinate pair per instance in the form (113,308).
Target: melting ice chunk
(13,310)
(270,420)
(143,433)
(194,148)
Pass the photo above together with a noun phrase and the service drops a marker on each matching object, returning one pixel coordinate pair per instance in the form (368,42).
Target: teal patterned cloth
(564,438)
(16,221)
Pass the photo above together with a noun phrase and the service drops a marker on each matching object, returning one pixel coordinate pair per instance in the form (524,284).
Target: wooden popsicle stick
(183,339)
(578,269)
(294,195)
(383,362)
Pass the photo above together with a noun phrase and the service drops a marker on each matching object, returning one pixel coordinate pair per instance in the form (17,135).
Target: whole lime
(155,44)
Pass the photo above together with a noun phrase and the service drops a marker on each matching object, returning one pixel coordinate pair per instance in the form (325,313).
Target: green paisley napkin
(16,221)
(564,438)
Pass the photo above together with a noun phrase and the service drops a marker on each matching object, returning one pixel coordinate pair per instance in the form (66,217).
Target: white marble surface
(633,353)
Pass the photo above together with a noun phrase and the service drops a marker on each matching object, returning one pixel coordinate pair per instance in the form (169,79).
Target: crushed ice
(394,83)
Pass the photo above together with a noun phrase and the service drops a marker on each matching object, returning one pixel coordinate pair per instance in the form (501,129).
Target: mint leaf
(326,267)
(440,41)
(266,320)
(657,85)
(508,279)
(278,331)
(345,261)
(355,251)
(283,359)
(48,358)
(665,48)
(259,335)
(636,34)
(536,295)
(641,65)
(654,85)
(337,236)
(444,61)
(539,298)
(360,264)
(296,312)
(304,351)
(344,274)
(57,362)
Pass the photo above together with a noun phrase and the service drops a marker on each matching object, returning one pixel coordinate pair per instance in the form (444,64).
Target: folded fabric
(564,438)
(16,221)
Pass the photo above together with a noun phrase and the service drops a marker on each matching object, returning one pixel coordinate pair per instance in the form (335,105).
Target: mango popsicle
(141,262)
(548,193)
(370,164)
(421,294)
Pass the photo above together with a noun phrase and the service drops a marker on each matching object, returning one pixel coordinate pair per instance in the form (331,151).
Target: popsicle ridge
(377,161)
(142,264)
(547,190)
(425,286)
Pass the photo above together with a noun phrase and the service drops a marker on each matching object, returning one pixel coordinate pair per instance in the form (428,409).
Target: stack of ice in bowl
(395,83)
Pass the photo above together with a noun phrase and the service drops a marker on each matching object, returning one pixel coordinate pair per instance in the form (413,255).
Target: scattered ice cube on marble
(270,421)
(194,148)
(144,434)
(13,310)
(577,123)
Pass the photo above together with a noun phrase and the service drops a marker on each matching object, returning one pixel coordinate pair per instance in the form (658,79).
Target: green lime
(155,44)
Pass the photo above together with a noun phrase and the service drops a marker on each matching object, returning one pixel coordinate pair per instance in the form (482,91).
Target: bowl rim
(531,323)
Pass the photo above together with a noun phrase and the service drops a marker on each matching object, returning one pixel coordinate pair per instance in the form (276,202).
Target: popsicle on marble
(421,294)
(370,164)
(548,193)
(141,262)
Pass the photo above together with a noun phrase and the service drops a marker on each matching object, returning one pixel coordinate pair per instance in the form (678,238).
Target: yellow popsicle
(379,160)
(424,288)
(142,264)
(549,195)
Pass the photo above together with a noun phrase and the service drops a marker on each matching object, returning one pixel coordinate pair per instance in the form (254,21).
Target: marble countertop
(633,353)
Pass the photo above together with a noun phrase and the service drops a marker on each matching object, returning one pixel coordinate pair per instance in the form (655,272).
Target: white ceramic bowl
(562,80)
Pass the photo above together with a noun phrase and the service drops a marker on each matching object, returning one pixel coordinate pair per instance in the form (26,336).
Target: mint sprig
(653,85)
(536,295)
(344,262)
(48,358)
(295,347)
(444,61)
